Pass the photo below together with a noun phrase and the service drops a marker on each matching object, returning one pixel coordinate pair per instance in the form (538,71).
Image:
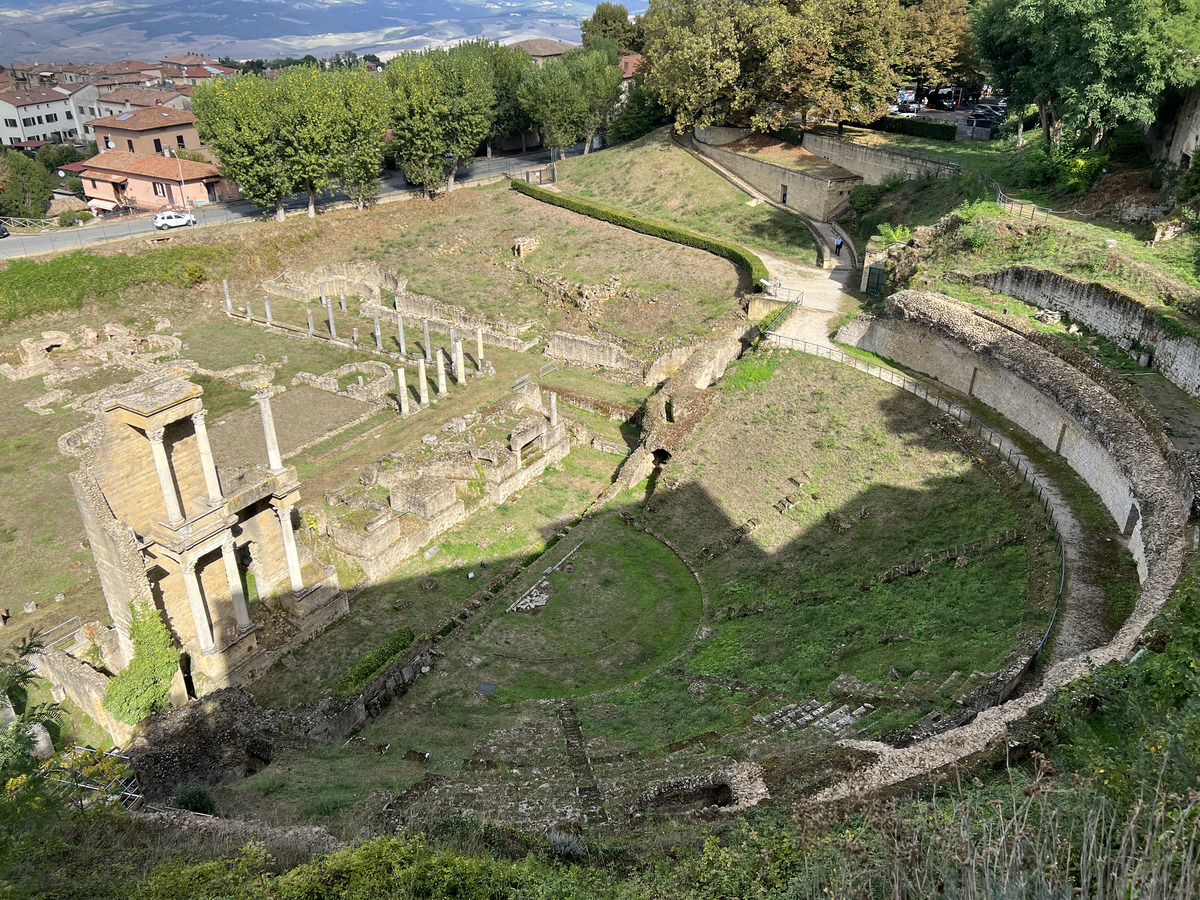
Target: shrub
(893,181)
(640,115)
(865,197)
(938,131)
(1189,185)
(1079,172)
(893,234)
(739,256)
(194,797)
(66,218)
(194,273)
(789,134)
(140,689)
(372,664)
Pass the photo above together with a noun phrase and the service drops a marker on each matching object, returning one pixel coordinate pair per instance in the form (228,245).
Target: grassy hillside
(654,177)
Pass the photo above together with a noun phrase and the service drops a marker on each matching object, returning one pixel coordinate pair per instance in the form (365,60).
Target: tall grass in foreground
(1045,843)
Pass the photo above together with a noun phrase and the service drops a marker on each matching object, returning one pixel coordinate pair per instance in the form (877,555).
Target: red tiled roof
(630,64)
(139,96)
(146,119)
(168,169)
(33,96)
(207,71)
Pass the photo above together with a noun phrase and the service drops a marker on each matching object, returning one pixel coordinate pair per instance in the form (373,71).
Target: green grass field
(653,177)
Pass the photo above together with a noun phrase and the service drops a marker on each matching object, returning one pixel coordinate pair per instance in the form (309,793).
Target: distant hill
(76,31)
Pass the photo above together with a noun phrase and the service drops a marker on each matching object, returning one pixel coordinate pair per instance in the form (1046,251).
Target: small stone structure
(818,195)
(582,350)
(60,356)
(373,391)
(424,485)
(170,532)
(523,246)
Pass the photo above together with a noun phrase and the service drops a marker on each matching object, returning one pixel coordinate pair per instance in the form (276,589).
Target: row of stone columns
(166,474)
(460,377)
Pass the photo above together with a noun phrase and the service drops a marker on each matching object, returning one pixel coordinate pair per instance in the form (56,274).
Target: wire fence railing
(1003,447)
(1022,209)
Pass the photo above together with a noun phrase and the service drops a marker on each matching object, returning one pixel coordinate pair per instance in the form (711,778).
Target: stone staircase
(828,717)
(586,788)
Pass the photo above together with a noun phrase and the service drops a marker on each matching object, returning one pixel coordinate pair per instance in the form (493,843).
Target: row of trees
(765,63)
(309,127)
(1089,64)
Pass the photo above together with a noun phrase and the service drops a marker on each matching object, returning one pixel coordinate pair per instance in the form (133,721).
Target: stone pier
(402,389)
(422,382)
(274,459)
(441,373)
(428,349)
(460,369)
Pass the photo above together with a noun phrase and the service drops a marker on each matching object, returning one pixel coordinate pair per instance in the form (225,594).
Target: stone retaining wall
(873,164)
(1114,314)
(84,686)
(581,350)
(810,195)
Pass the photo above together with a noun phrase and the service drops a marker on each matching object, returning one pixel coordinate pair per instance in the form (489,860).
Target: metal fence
(1002,446)
(60,633)
(1020,208)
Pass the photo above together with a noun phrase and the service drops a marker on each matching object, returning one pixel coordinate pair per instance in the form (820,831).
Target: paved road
(394,188)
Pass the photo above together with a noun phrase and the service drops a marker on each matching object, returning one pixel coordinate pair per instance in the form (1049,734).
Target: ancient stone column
(460,369)
(166,480)
(478,347)
(310,323)
(452,335)
(332,330)
(402,389)
(289,548)
(441,372)
(324,301)
(234,577)
(274,459)
(428,351)
(342,299)
(228,299)
(191,582)
(553,410)
(354,336)
(249,312)
(211,482)
(378,336)
(422,382)
(400,329)
(267,304)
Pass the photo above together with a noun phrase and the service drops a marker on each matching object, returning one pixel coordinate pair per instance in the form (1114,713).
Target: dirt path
(826,292)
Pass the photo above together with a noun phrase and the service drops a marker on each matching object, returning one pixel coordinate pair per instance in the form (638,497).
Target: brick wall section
(1114,314)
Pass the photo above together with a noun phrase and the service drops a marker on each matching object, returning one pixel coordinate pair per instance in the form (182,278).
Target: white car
(172,219)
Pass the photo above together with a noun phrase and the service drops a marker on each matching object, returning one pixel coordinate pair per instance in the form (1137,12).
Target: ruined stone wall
(871,163)
(1114,314)
(394,681)
(363,279)
(84,686)
(817,198)
(1179,135)
(581,350)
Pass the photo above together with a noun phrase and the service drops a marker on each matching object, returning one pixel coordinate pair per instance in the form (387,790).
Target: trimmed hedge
(938,131)
(739,256)
(372,664)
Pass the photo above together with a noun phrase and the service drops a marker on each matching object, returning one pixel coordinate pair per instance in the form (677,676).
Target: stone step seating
(812,712)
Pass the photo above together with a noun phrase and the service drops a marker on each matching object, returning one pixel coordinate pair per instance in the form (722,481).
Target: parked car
(980,122)
(990,109)
(172,219)
(3,232)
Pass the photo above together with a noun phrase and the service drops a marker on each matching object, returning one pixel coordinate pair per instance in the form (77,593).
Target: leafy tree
(312,126)
(864,53)
(51,156)
(25,186)
(714,61)
(364,105)
(237,119)
(609,20)
(509,65)
(420,108)
(937,41)
(640,114)
(599,84)
(469,81)
(554,100)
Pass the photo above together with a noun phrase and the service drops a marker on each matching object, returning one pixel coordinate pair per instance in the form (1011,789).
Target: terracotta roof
(542,48)
(207,71)
(33,96)
(139,96)
(135,65)
(166,168)
(630,64)
(187,59)
(146,119)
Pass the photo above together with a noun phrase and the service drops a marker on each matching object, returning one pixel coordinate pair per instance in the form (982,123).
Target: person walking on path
(837,247)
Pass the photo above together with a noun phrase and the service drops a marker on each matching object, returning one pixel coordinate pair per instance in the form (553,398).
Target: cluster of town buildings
(139,116)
